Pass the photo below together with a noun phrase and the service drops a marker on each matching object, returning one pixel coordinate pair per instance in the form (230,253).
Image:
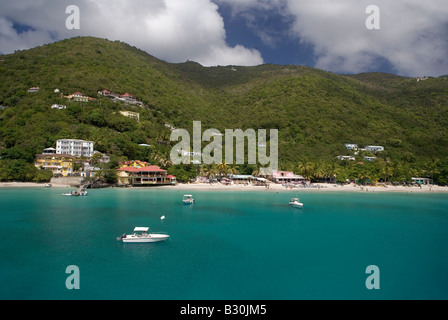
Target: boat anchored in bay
(141,235)
(188,199)
(295,202)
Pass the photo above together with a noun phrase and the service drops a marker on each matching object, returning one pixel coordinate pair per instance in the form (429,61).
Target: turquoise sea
(227,246)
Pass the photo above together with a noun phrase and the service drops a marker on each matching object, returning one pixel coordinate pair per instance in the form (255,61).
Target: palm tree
(305,169)
(209,170)
(432,167)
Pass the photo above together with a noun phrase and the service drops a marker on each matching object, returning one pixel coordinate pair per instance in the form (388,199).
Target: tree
(209,170)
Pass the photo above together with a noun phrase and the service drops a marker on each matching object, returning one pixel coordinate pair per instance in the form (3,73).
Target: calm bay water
(228,245)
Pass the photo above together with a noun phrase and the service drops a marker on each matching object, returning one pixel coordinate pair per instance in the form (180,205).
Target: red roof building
(144,176)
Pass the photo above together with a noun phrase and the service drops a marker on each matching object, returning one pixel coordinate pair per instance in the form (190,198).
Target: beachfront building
(242,179)
(287,177)
(77,148)
(59,164)
(421,181)
(144,176)
(133,164)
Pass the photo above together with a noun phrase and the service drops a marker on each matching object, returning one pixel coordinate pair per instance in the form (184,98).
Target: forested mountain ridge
(316,112)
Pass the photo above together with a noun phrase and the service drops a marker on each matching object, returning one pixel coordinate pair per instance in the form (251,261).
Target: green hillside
(316,112)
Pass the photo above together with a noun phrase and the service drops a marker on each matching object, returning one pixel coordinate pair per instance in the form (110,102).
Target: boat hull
(296,205)
(148,239)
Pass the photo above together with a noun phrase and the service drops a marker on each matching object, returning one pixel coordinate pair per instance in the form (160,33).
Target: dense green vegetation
(316,112)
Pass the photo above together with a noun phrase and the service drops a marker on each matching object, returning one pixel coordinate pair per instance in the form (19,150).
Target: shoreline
(318,187)
(30,185)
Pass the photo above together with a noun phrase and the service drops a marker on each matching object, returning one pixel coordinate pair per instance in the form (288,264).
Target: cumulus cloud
(413,37)
(172,30)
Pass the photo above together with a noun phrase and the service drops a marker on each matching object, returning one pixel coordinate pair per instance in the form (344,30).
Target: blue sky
(327,34)
(282,50)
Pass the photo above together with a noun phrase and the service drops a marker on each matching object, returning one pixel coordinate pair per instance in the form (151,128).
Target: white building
(374,148)
(351,158)
(351,146)
(77,148)
(58,106)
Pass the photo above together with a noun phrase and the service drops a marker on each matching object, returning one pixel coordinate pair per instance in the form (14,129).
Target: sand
(30,185)
(318,187)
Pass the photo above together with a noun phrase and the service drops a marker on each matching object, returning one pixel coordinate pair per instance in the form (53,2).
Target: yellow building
(59,164)
(132,115)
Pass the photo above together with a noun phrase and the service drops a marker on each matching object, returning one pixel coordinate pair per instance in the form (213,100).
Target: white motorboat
(75,193)
(188,199)
(295,202)
(141,235)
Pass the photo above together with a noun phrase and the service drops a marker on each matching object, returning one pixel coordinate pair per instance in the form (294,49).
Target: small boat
(48,185)
(295,202)
(141,235)
(75,193)
(188,199)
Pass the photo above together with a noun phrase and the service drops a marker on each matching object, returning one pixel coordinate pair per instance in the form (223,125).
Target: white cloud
(11,40)
(413,37)
(172,30)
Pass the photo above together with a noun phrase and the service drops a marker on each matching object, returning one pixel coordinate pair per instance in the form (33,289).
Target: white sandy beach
(29,185)
(318,187)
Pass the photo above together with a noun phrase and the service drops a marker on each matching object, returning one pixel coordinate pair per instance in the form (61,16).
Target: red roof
(129,169)
(151,169)
(126,95)
(144,169)
(171,177)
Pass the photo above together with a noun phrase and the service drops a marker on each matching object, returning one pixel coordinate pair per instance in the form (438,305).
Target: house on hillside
(371,159)
(78,148)
(132,115)
(374,148)
(59,164)
(105,93)
(48,151)
(79,97)
(33,89)
(128,98)
(351,158)
(351,146)
(58,107)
